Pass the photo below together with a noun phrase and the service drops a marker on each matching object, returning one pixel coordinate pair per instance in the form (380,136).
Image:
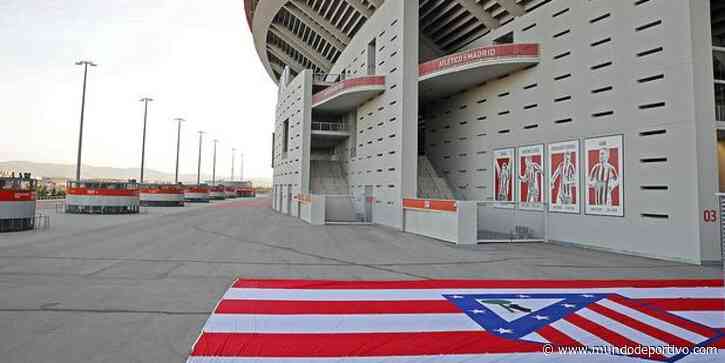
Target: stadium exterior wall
(601,72)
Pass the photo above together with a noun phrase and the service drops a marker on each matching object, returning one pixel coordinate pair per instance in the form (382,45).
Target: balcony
(460,71)
(328,126)
(346,95)
(328,133)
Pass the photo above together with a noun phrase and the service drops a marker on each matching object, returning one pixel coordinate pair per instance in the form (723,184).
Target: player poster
(564,177)
(531,177)
(503,181)
(604,176)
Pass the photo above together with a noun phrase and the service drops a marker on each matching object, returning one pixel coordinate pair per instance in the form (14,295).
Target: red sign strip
(436,205)
(479,54)
(197,190)
(345,85)
(103,192)
(16,196)
(163,190)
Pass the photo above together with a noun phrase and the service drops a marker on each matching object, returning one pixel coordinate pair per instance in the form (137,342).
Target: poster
(530,177)
(503,181)
(564,177)
(604,176)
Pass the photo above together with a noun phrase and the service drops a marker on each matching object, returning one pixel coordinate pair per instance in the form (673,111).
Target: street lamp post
(241,167)
(145,101)
(213,170)
(198,165)
(85,65)
(233,156)
(178,146)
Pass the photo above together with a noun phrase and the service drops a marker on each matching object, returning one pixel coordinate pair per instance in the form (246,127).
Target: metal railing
(41,222)
(328,126)
(327,77)
(512,222)
(720,112)
(346,208)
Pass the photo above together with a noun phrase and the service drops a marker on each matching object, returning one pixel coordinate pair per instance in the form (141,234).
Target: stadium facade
(606,117)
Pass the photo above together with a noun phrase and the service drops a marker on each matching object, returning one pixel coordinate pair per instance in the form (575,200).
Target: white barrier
(447,220)
(311,208)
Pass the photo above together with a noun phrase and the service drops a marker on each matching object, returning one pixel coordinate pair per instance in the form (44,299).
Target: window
(372,58)
(285,137)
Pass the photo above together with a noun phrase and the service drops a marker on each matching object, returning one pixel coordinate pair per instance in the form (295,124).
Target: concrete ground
(139,288)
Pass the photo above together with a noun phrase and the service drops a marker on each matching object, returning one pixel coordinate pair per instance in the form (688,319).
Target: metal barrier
(345,209)
(327,77)
(328,126)
(41,222)
(508,222)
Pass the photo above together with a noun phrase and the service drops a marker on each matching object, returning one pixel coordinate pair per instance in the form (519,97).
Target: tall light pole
(145,101)
(198,165)
(85,65)
(233,156)
(213,169)
(241,167)
(178,146)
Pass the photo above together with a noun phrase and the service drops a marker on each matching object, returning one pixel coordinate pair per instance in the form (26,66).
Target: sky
(196,59)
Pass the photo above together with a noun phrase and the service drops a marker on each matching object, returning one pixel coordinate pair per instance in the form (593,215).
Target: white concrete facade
(641,69)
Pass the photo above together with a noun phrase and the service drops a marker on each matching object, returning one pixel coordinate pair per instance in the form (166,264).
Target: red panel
(437,205)
(197,190)
(163,190)
(16,196)
(345,85)
(479,54)
(103,192)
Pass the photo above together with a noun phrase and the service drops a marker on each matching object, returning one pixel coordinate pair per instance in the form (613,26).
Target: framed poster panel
(530,177)
(564,177)
(603,163)
(503,176)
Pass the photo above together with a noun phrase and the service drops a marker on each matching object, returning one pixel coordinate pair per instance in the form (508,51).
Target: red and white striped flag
(465,321)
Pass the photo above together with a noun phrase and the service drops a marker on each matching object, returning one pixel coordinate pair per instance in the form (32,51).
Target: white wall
(462,133)
(293,104)
(386,159)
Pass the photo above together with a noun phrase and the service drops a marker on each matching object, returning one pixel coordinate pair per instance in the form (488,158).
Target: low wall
(447,220)
(312,208)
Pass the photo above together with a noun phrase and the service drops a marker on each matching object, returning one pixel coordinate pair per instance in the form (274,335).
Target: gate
(508,222)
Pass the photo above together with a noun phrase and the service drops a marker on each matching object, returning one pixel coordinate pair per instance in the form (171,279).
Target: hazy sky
(195,58)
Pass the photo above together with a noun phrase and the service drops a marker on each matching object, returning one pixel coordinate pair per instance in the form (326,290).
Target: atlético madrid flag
(465,321)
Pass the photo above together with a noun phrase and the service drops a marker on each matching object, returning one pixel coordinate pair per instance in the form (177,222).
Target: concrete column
(705,126)
(409,117)
(467,222)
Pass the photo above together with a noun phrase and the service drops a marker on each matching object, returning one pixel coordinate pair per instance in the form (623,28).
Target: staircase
(326,177)
(430,184)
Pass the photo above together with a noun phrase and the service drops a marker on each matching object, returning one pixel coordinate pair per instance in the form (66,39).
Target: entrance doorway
(289,199)
(721,159)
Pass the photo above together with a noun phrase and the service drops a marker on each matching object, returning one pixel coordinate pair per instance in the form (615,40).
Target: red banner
(103,192)
(16,196)
(436,205)
(163,190)
(479,54)
(197,190)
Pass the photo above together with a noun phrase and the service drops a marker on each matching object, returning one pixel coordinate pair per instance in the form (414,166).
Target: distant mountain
(67,171)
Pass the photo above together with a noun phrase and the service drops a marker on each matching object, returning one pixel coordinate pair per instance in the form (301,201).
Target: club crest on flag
(583,320)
